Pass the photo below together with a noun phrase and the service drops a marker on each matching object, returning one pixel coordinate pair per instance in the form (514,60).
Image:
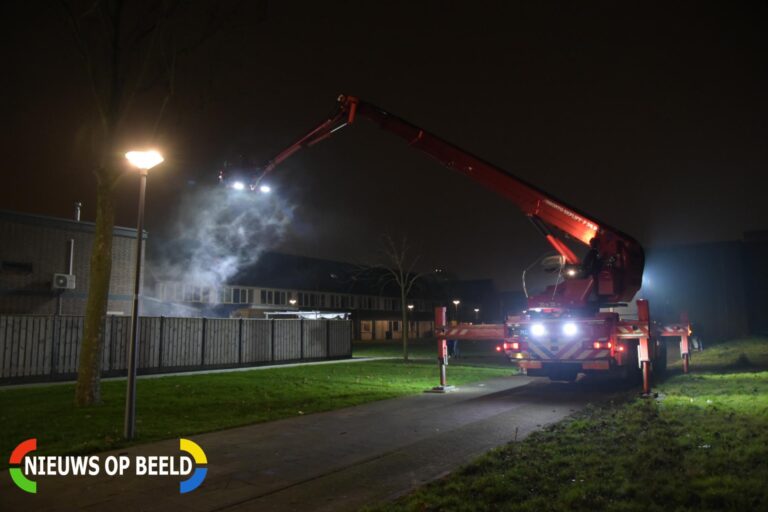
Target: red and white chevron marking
(570,351)
(474,332)
(674,330)
(632,331)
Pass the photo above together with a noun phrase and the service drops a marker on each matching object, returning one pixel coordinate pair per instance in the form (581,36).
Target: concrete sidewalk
(338,460)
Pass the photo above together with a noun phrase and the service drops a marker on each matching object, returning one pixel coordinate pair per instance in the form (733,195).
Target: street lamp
(143,161)
(292,302)
(456,303)
(477,311)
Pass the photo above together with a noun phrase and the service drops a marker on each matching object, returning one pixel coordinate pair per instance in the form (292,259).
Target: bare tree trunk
(88,388)
(404,310)
(125,53)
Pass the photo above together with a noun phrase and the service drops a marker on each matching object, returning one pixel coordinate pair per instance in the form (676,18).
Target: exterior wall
(366,330)
(383,330)
(34,248)
(424,329)
(380,330)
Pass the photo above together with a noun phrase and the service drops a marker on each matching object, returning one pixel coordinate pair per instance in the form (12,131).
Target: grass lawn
(474,353)
(702,445)
(171,407)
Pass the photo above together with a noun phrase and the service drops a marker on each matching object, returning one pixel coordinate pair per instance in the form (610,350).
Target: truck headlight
(538,330)
(570,328)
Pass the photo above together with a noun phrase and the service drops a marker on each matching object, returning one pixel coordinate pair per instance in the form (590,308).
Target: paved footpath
(338,460)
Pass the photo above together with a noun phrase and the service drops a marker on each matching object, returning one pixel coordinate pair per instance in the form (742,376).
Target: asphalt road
(338,460)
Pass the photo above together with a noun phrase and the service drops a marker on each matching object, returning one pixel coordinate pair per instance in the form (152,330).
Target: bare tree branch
(398,268)
(85,53)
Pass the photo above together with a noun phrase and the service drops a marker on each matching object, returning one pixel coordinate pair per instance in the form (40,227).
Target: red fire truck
(570,327)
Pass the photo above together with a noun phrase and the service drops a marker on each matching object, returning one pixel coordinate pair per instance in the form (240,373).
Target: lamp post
(410,320)
(456,303)
(142,160)
(477,313)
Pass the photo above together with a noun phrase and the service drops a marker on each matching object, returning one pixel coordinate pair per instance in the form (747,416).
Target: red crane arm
(527,197)
(621,254)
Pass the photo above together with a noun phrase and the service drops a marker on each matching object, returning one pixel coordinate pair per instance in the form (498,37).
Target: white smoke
(220,231)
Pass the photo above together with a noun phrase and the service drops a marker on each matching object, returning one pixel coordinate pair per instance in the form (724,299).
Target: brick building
(34,248)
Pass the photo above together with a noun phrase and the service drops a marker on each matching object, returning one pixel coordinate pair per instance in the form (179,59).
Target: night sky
(649,116)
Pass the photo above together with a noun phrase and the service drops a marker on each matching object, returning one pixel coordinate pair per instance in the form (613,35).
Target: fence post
(55,343)
(327,339)
(240,341)
(272,339)
(202,344)
(160,342)
(301,339)
(111,356)
(107,319)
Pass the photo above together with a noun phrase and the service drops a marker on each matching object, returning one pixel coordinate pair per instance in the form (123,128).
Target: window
(250,296)
(395,326)
(206,295)
(235,295)
(365,326)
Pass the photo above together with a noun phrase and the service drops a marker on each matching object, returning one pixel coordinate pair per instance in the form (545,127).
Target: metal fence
(39,348)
